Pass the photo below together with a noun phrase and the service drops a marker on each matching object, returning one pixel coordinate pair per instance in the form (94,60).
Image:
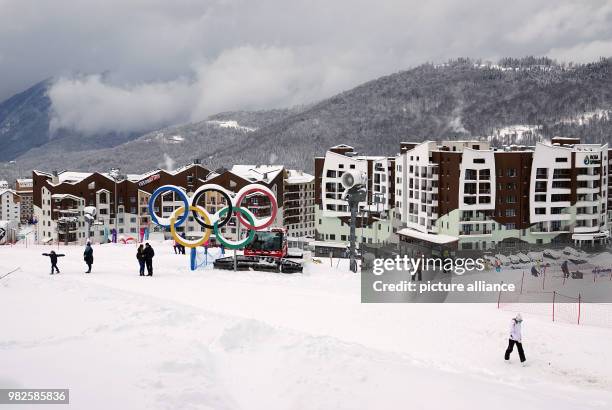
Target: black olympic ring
(198,218)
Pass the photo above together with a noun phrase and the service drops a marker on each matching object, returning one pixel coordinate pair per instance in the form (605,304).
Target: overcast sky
(148,63)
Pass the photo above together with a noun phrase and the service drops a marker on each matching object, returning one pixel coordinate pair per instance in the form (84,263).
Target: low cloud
(244,78)
(90,105)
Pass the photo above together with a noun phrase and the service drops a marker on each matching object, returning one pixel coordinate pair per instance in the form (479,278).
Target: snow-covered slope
(224,340)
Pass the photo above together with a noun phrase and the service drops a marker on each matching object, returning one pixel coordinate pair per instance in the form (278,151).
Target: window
(479,160)
(470,174)
(540,198)
(510,212)
(511,172)
(562,184)
(469,189)
(542,173)
(540,186)
(560,198)
(540,211)
(561,159)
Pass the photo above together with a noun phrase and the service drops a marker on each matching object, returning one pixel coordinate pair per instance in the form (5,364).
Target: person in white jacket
(515,338)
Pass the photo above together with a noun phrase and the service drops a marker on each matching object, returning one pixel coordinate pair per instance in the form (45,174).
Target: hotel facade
(119,203)
(470,196)
(375,215)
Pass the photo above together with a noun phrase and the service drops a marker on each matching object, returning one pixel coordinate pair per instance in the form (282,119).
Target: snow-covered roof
(72,176)
(257,172)
(326,244)
(5,190)
(65,196)
(298,177)
(428,237)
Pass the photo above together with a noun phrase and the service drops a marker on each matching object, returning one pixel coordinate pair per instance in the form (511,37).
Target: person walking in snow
(88,256)
(149,253)
(53,257)
(515,338)
(141,259)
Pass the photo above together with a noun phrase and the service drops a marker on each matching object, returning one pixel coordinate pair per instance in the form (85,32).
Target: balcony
(484,232)
(587,177)
(586,229)
(587,190)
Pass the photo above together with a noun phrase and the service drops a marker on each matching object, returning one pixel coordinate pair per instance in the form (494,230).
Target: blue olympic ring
(161,221)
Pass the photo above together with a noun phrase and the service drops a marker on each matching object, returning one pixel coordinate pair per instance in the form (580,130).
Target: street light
(115,174)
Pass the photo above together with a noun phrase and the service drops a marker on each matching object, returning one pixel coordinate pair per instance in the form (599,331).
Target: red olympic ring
(273,203)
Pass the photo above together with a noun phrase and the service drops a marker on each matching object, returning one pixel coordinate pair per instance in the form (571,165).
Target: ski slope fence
(551,294)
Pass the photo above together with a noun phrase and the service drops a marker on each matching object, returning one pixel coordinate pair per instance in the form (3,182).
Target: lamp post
(115,174)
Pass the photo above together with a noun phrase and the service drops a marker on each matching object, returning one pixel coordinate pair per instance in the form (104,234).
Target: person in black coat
(88,256)
(141,259)
(53,256)
(149,253)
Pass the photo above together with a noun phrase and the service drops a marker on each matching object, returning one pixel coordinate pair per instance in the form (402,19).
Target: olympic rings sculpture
(213,223)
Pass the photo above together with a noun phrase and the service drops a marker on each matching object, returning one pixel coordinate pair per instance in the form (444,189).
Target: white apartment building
(375,213)
(10,206)
(468,195)
(299,204)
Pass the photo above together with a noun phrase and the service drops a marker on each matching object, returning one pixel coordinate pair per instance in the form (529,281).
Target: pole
(553,304)
(236,250)
(353,263)
(579,303)
(522,280)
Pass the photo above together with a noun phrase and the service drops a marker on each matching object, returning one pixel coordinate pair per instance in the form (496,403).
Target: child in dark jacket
(53,257)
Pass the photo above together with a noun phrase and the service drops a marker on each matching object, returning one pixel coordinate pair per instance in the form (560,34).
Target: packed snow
(231,124)
(229,340)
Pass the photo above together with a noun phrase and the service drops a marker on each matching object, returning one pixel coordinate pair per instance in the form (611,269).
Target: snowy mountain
(24,121)
(513,101)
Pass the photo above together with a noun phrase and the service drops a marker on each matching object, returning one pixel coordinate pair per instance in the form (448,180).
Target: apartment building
(468,195)
(331,212)
(10,206)
(119,204)
(299,204)
(24,188)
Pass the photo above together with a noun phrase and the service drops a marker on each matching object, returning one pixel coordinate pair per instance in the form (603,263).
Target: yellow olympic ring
(184,242)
